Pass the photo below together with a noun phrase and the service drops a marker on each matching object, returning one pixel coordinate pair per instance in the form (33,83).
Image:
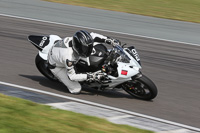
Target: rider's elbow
(72,77)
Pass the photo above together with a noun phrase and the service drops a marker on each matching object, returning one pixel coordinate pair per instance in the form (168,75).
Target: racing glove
(112,42)
(96,76)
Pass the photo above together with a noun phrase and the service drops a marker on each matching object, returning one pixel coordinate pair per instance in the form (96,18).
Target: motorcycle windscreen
(39,41)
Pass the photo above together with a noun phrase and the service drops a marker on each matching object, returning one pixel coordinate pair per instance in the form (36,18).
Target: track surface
(102,19)
(175,69)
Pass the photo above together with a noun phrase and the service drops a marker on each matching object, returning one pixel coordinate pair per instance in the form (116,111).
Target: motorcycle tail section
(43,43)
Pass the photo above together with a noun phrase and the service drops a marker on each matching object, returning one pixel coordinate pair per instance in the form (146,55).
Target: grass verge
(184,10)
(21,116)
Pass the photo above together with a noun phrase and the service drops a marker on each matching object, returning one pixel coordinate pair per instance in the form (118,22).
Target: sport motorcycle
(120,64)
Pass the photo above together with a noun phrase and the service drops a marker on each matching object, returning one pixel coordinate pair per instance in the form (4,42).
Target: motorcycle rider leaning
(65,53)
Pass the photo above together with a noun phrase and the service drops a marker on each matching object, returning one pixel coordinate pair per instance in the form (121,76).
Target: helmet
(82,43)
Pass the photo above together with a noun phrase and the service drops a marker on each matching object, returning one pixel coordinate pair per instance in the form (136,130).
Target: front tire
(42,66)
(141,88)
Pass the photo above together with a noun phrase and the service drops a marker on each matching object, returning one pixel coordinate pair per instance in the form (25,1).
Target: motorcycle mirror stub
(124,72)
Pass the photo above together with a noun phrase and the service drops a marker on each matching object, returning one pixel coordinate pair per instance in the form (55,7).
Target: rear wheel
(142,88)
(42,66)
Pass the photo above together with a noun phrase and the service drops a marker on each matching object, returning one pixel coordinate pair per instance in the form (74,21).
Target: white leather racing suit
(63,58)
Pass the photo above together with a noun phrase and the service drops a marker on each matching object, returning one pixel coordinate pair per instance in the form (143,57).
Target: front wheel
(142,88)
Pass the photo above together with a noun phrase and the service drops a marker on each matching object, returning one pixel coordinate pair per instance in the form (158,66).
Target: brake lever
(124,45)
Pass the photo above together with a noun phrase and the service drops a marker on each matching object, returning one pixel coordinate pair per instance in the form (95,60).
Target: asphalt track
(174,67)
(150,27)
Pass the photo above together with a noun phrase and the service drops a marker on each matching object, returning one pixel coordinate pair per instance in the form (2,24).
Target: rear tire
(42,66)
(141,88)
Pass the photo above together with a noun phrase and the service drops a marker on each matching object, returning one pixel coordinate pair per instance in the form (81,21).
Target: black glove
(109,41)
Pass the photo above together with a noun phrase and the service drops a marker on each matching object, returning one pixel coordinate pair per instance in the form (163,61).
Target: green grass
(22,116)
(185,10)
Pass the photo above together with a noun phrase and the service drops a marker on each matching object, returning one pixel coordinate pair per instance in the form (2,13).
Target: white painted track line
(192,44)
(103,106)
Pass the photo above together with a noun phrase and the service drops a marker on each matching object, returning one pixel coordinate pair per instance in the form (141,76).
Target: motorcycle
(121,66)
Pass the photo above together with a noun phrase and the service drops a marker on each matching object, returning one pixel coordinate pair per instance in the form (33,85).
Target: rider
(66,53)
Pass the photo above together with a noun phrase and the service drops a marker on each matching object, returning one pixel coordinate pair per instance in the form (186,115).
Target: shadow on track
(116,93)
(47,83)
